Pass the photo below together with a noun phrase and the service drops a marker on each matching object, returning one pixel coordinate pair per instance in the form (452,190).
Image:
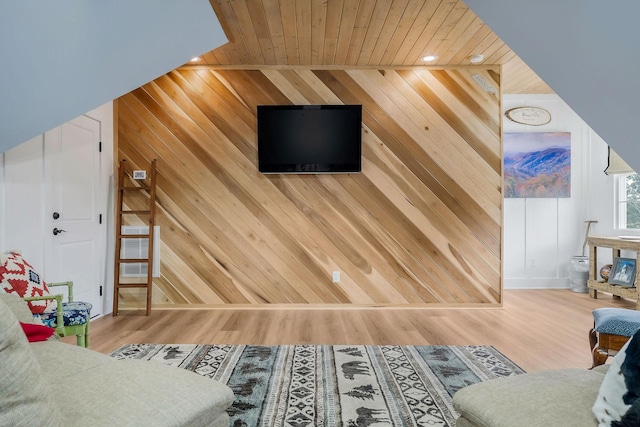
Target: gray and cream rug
(340,385)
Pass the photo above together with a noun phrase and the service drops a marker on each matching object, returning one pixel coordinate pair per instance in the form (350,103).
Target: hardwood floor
(537,329)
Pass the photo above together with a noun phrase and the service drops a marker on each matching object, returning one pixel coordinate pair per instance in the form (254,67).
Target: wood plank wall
(420,226)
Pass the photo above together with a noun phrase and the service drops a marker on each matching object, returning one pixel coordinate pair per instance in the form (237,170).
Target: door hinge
(100,219)
(100,290)
(100,147)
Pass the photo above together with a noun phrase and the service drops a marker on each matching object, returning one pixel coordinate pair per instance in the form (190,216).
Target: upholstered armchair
(68,318)
(17,276)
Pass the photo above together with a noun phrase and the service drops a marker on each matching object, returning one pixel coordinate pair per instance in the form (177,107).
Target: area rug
(340,385)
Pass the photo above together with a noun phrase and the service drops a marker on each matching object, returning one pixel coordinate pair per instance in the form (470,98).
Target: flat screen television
(309,138)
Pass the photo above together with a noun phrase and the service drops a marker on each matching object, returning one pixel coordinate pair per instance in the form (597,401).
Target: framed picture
(623,272)
(537,164)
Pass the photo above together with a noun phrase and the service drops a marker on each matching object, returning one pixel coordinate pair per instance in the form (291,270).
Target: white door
(73,238)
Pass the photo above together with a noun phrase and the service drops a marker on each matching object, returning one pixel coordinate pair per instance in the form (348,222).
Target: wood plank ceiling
(363,33)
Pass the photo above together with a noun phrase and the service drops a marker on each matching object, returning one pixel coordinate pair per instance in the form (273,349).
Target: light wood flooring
(537,329)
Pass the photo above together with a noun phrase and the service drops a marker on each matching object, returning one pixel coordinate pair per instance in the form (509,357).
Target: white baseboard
(536,283)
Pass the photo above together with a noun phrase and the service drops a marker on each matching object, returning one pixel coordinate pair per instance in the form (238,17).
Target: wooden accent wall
(420,226)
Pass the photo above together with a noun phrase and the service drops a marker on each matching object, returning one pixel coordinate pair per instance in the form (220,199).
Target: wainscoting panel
(420,226)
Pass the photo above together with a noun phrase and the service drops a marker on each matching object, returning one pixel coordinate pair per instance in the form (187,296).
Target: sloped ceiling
(61,59)
(586,51)
(364,33)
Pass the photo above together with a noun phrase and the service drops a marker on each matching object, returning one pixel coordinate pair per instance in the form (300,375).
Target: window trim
(620,209)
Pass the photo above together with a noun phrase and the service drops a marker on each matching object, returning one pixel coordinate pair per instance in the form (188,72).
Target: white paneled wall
(22,197)
(541,238)
(541,235)
(22,210)
(3,213)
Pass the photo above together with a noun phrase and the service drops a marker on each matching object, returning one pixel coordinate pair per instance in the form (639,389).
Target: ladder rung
(133,260)
(136,188)
(132,285)
(133,236)
(136,212)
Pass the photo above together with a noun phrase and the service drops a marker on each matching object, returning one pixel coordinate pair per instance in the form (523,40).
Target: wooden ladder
(128,182)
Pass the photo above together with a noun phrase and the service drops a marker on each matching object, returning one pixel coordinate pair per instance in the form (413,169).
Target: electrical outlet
(336,276)
(532,262)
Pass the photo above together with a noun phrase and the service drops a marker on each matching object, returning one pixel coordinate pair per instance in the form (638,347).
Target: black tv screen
(309,138)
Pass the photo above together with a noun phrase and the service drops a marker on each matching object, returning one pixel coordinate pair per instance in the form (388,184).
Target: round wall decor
(532,116)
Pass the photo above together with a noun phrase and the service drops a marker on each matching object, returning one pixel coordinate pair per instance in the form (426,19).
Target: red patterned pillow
(17,276)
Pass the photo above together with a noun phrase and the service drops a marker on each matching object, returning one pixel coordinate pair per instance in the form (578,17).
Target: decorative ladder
(127,183)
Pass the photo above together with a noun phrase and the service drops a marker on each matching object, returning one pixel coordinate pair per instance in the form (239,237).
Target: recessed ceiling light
(476,58)
(429,58)
(195,59)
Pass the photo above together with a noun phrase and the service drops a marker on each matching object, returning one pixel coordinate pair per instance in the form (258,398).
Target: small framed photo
(623,272)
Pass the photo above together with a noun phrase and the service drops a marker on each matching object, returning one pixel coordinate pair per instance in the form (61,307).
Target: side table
(616,244)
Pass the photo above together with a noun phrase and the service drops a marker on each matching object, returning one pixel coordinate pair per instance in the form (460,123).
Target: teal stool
(612,328)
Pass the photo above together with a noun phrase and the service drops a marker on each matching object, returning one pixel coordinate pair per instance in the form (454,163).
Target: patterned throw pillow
(18,276)
(617,403)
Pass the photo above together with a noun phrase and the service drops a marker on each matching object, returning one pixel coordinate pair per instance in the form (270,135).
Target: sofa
(51,383)
(608,395)
(563,397)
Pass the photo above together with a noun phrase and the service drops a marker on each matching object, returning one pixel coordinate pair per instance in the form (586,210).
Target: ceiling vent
(484,84)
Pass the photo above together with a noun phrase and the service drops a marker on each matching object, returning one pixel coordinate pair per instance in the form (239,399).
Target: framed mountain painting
(537,164)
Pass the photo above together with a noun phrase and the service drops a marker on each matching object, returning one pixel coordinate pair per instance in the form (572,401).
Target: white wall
(105,114)
(23,204)
(602,201)
(62,58)
(585,50)
(541,235)
(22,197)
(2,202)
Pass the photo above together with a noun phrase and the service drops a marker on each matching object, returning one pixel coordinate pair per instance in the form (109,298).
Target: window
(628,187)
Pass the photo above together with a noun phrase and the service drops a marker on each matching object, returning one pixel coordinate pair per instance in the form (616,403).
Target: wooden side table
(616,244)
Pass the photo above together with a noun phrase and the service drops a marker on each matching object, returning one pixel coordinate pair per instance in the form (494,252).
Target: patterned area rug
(352,386)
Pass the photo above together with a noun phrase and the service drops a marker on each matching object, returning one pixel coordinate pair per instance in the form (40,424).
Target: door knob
(56,215)
(57,231)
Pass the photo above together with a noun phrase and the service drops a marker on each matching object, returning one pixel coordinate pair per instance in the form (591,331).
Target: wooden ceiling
(363,33)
